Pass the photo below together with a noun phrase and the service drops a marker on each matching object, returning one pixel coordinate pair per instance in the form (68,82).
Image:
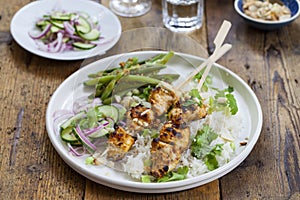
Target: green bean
(102,79)
(123,92)
(169,78)
(146,69)
(99,89)
(134,81)
(141,79)
(131,62)
(103,72)
(110,86)
(107,101)
(161,58)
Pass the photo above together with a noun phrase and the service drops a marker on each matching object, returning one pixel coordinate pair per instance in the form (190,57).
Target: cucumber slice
(84,46)
(106,130)
(83,25)
(61,17)
(42,23)
(99,134)
(94,34)
(65,40)
(72,120)
(68,136)
(109,111)
(57,24)
(54,29)
(122,110)
(84,15)
(85,142)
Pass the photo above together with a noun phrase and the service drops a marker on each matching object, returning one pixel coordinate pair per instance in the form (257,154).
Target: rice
(135,163)
(229,129)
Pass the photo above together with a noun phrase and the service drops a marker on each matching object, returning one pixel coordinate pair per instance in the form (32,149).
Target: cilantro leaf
(196,99)
(146,178)
(180,174)
(231,102)
(195,93)
(224,101)
(211,162)
(201,148)
(208,80)
(210,159)
(189,102)
(201,143)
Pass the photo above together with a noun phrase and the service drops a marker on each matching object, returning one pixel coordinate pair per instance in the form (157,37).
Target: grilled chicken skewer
(174,134)
(173,140)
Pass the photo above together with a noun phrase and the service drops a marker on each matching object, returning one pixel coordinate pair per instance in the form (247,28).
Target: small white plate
(72,88)
(24,21)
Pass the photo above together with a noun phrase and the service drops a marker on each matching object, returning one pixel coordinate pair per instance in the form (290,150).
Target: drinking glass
(130,8)
(182,15)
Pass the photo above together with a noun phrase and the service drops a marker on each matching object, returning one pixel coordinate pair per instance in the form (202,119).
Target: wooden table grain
(269,62)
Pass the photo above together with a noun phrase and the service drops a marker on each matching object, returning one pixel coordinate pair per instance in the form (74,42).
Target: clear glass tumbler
(182,15)
(130,8)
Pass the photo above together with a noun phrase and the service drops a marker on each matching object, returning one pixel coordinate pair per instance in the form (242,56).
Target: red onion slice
(69,28)
(42,34)
(85,139)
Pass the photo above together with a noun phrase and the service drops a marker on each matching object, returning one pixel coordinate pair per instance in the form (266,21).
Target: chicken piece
(119,143)
(163,157)
(176,115)
(194,112)
(161,100)
(139,117)
(167,149)
(173,134)
(180,114)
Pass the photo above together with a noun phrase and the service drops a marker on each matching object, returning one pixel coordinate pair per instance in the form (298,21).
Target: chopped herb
(232,104)
(208,80)
(201,148)
(211,160)
(189,102)
(196,99)
(89,160)
(201,143)
(179,174)
(145,92)
(153,132)
(224,101)
(146,178)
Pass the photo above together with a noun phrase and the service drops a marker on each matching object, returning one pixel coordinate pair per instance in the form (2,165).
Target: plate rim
(55,56)
(168,186)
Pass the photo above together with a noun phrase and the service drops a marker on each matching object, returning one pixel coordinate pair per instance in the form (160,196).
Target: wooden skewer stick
(217,54)
(222,33)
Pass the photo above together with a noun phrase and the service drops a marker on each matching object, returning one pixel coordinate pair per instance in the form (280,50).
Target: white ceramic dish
(24,21)
(72,88)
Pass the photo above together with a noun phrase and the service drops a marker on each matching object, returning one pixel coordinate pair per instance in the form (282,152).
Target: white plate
(24,21)
(72,88)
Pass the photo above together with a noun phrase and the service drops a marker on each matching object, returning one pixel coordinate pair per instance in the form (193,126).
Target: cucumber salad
(62,31)
(138,123)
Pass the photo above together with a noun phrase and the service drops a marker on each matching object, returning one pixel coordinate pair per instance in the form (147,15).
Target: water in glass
(182,15)
(130,8)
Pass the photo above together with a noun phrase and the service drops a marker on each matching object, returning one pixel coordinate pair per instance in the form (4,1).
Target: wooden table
(269,62)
